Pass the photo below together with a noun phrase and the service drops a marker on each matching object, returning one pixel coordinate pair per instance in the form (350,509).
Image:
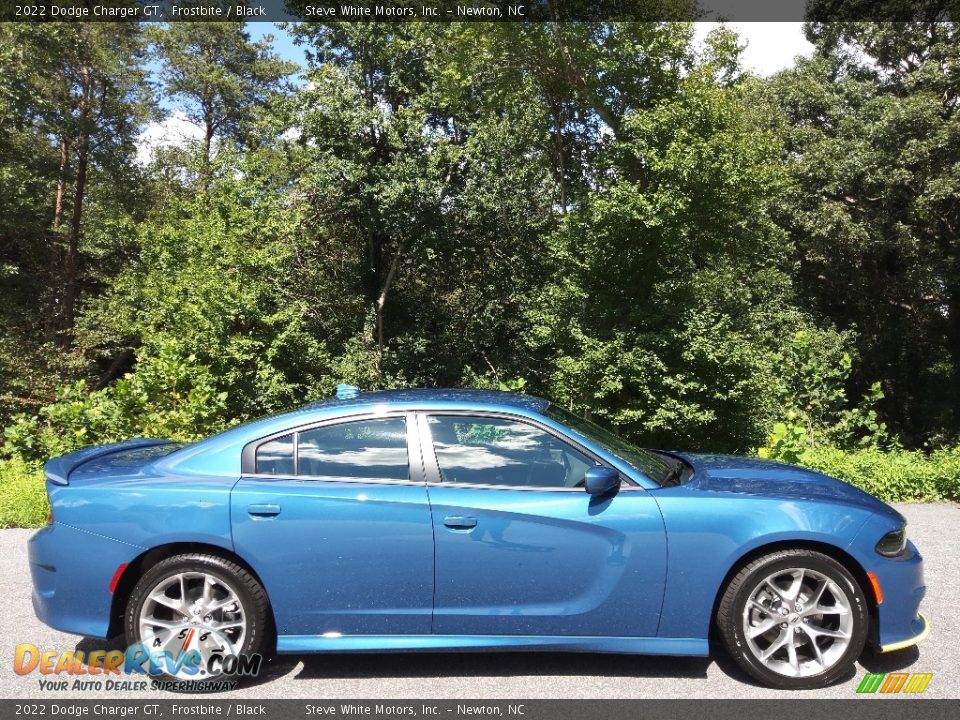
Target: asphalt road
(934,528)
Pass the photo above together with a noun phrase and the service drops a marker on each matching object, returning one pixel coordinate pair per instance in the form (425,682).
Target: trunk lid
(125,454)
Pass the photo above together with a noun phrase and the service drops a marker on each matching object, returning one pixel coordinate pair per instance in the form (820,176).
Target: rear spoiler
(58,469)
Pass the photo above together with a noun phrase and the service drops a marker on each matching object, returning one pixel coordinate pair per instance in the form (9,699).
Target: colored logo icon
(888,683)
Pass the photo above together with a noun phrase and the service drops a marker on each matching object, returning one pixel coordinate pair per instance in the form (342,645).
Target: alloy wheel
(798,622)
(193,611)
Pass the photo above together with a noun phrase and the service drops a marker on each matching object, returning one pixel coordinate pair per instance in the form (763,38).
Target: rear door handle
(458,522)
(264,510)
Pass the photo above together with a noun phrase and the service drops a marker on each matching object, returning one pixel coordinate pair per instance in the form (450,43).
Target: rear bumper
(71,572)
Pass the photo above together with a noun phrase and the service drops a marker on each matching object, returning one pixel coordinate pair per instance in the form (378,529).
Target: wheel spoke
(166,624)
(794,592)
(792,654)
(776,591)
(813,630)
(207,589)
(161,599)
(767,625)
(228,625)
(814,600)
(833,610)
(219,604)
(781,640)
(817,654)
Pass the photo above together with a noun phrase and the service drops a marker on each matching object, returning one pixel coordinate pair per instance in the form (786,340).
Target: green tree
(222,79)
(71,104)
(427,189)
(211,281)
(873,151)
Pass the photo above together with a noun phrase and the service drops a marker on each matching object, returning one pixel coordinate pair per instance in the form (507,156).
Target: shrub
(891,475)
(23,499)
(167,396)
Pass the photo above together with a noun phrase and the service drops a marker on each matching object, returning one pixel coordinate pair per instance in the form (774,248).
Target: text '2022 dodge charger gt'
(469,520)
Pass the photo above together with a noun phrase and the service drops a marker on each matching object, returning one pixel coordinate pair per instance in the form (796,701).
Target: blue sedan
(445,520)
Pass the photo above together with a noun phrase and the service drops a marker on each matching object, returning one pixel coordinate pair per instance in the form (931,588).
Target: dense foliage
(606,214)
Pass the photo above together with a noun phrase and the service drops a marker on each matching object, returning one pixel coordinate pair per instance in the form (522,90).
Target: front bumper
(911,641)
(899,622)
(897,619)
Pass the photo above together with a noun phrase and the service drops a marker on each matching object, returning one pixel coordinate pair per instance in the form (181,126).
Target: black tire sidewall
(736,640)
(237,578)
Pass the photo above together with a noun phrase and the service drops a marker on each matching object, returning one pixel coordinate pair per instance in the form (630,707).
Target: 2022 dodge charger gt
(469,520)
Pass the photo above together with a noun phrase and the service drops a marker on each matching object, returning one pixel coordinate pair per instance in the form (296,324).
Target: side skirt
(333,642)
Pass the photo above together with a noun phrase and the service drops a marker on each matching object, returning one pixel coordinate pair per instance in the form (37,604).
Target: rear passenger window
(362,450)
(276,457)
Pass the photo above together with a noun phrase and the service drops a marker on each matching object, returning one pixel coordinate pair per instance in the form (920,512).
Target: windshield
(638,458)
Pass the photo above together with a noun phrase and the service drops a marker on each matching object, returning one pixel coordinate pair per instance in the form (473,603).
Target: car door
(336,521)
(521,548)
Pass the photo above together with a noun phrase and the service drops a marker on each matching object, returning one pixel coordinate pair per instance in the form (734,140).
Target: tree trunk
(382,298)
(121,362)
(71,282)
(208,132)
(54,237)
(61,183)
(207,141)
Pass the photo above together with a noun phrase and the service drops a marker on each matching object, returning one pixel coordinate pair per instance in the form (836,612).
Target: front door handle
(264,510)
(458,522)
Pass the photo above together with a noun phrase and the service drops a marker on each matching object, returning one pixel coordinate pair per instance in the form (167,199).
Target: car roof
(220,453)
(419,397)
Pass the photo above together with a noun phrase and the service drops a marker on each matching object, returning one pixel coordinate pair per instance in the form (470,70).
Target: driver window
(495,451)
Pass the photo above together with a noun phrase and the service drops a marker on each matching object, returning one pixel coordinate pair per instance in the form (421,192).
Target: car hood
(753,476)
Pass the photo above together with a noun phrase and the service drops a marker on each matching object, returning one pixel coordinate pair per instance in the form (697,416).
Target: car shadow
(872,661)
(383,665)
(493,664)
(455,664)
(87,645)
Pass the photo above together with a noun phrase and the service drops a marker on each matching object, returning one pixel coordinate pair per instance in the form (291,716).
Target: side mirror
(601,480)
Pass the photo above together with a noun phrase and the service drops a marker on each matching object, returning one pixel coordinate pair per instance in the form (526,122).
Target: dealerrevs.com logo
(185,659)
(889,683)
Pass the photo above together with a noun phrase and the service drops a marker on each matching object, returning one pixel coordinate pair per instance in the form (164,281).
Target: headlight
(893,543)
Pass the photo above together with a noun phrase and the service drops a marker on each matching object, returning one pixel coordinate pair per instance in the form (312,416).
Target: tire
(238,615)
(770,607)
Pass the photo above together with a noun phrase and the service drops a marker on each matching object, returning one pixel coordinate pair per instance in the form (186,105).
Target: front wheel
(794,619)
(193,616)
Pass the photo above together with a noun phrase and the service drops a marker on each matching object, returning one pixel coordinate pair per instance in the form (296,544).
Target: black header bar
(475,10)
(207,707)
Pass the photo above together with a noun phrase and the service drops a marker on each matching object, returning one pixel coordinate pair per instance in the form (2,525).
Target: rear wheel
(794,619)
(191,612)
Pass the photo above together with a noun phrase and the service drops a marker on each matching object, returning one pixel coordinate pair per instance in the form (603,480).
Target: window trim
(434,477)
(248,456)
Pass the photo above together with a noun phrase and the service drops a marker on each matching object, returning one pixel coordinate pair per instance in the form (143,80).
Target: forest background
(615,216)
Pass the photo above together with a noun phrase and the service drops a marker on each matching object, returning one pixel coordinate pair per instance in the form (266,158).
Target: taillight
(114,581)
(50,518)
